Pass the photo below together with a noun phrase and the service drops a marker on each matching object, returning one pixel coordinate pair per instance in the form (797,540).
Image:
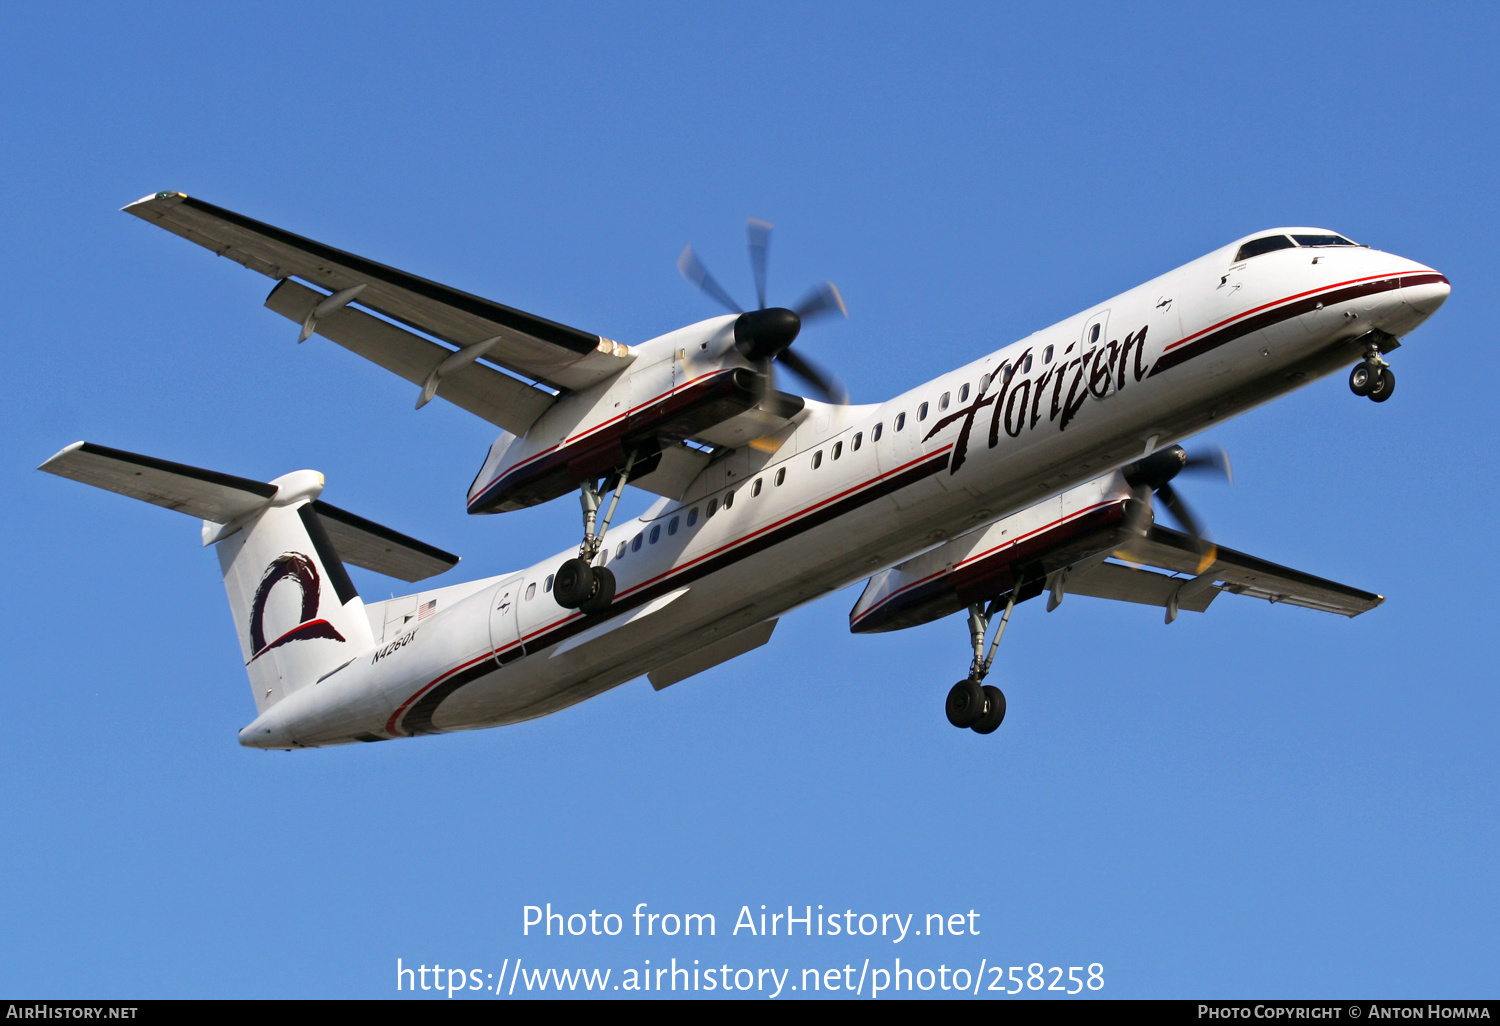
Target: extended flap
(710,656)
(482,390)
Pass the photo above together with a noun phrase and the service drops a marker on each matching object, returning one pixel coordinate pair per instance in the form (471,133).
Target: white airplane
(1030,470)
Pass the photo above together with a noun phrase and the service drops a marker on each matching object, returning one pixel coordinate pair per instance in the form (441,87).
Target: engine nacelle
(1028,546)
(681,383)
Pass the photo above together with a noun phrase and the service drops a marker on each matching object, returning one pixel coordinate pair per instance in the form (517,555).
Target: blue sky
(1259,801)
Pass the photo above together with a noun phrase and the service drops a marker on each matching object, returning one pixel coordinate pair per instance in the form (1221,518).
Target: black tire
(1363,377)
(965,704)
(573,584)
(1385,388)
(994,714)
(603,594)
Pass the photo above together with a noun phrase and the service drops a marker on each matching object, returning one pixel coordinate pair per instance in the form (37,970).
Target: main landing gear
(971,702)
(579,584)
(1372,377)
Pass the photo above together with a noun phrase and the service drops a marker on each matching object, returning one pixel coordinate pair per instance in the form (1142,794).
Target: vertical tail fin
(295,609)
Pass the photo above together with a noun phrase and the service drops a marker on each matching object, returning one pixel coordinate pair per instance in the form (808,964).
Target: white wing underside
(1193,589)
(532,347)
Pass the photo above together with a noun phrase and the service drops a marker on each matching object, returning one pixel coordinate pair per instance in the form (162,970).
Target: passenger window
(672,527)
(900,421)
(817,459)
(756,489)
(530,591)
(548,585)
(780,476)
(1093,334)
(859,437)
(943,402)
(838,449)
(875,434)
(635,544)
(963,393)
(692,516)
(1269,244)
(620,551)
(713,507)
(1047,355)
(1027,368)
(922,412)
(655,533)
(728,499)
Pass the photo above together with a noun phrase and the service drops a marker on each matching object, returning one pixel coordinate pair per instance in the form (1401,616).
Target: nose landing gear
(1372,377)
(971,702)
(579,584)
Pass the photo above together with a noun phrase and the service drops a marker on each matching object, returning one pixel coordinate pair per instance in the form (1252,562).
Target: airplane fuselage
(854,489)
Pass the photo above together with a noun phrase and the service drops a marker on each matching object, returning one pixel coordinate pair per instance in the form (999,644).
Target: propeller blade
(822,300)
(758,233)
(1215,460)
(693,270)
(1138,519)
(828,387)
(1181,512)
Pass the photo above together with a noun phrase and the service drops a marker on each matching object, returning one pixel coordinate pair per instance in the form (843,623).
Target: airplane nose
(1426,293)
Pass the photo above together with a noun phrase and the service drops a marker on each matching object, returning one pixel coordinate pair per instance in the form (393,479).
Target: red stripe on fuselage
(497,654)
(1303,295)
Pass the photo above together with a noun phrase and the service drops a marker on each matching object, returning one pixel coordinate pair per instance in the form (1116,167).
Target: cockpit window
(1268,244)
(1322,240)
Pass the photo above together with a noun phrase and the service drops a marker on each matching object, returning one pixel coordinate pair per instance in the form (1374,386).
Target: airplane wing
(527,345)
(1184,586)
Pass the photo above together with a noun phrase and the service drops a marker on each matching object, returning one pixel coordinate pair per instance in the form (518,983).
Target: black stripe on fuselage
(1297,308)
(418,719)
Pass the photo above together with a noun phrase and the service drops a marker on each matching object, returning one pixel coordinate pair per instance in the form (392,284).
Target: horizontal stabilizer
(368,544)
(224,498)
(205,494)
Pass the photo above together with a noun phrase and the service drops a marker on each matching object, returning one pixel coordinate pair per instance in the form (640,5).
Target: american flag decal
(426,609)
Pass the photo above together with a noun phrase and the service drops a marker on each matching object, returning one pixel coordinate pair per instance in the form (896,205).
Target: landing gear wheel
(1364,377)
(965,704)
(604,591)
(574,583)
(994,713)
(1385,387)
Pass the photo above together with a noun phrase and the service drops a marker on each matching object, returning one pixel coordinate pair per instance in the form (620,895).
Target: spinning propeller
(767,333)
(1152,476)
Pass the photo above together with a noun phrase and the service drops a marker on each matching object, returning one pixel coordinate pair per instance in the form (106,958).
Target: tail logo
(296,567)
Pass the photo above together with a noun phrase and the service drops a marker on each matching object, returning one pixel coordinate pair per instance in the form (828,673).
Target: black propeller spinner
(1153,476)
(767,333)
